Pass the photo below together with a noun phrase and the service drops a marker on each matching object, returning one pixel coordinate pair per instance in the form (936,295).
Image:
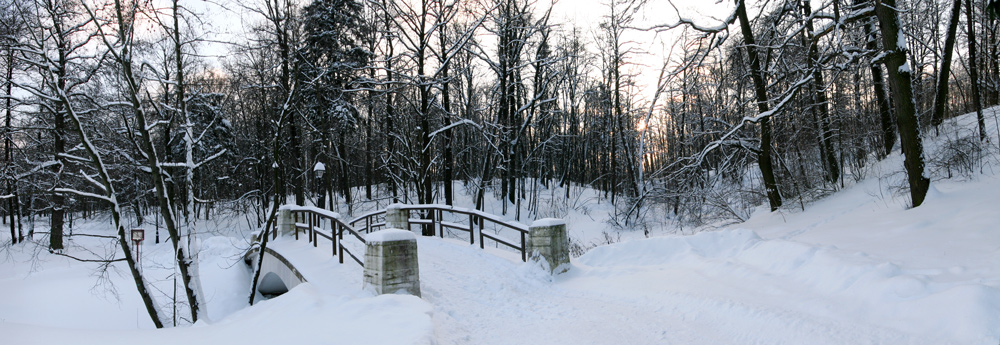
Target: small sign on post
(137,236)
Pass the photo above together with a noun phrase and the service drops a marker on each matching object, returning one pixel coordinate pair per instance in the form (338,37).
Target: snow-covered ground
(857,267)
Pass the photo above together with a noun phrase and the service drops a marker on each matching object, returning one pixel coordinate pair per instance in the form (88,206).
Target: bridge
(383,243)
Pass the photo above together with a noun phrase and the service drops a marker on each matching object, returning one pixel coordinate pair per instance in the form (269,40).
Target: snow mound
(915,301)
(292,318)
(665,250)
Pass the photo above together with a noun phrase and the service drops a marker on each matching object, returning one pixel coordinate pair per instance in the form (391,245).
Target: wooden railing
(433,216)
(310,221)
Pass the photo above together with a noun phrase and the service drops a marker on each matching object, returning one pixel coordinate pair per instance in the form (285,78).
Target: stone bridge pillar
(548,242)
(397,218)
(391,262)
(286,225)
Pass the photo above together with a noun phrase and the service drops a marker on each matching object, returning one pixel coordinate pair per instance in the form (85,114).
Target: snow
(296,317)
(548,222)
(901,40)
(905,67)
(453,125)
(320,211)
(389,235)
(857,267)
(486,214)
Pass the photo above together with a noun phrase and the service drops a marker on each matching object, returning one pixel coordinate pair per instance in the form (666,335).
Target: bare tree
(117,34)
(12,31)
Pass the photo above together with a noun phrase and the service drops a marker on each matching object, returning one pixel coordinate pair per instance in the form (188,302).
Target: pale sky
(225,20)
(588,14)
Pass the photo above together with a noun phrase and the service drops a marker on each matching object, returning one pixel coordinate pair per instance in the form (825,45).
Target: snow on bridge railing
(310,220)
(433,219)
(548,235)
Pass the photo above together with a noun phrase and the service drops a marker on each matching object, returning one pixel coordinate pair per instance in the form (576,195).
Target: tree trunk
(992,45)
(941,99)
(764,157)
(448,164)
(902,91)
(153,161)
(369,124)
(59,134)
(974,70)
(7,143)
(820,102)
(140,282)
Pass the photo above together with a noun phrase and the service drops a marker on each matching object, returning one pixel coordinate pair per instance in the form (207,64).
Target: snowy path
(480,298)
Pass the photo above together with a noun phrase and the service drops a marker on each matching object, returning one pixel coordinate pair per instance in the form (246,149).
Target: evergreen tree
(332,57)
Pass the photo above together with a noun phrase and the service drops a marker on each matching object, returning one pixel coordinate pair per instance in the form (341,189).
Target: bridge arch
(277,275)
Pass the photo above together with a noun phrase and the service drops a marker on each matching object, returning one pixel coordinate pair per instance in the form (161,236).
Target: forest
(131,108)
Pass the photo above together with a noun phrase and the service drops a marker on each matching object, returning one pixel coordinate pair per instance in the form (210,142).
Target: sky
(226,20)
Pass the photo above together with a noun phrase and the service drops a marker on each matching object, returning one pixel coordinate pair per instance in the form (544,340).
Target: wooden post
(440,227)
(472,232)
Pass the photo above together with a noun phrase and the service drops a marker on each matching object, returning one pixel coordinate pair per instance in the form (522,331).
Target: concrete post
(391,262)
(548,242)
(286,225)
(397,218)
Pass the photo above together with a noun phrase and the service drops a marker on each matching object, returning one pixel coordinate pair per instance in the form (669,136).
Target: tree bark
(448,164)
(887,125)
(760,91)
(820,102)
(59,128)
(974,70)
(900,82)
(941,98)
(7,143)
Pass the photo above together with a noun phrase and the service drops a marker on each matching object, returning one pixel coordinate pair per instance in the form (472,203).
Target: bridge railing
(433,216)
(310,221)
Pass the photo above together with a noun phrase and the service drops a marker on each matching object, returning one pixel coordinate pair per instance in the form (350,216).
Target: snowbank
(296,317)
(845,285)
